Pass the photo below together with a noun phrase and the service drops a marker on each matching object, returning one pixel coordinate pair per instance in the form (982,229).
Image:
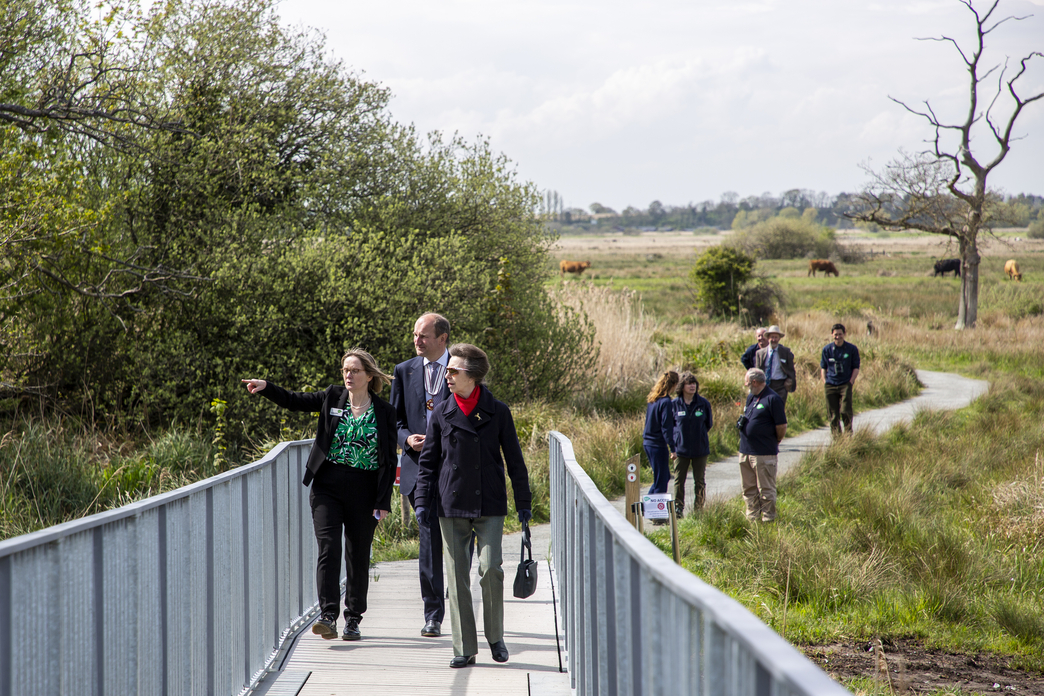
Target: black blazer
(408,397)
(336,397)
(461,466)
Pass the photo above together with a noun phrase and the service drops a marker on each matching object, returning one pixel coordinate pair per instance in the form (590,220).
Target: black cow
(944,266)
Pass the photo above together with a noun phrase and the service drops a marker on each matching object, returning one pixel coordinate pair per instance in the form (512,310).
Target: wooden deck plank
(394,659)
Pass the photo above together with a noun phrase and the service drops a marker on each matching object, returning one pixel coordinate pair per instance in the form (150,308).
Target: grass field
(931,537)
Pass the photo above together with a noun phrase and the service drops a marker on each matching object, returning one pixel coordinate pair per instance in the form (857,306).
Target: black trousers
(429,561)
(342,501)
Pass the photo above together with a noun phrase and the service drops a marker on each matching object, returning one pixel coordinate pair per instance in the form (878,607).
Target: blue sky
(624,102)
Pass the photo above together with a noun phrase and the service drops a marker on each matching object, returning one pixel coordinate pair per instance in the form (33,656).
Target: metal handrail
(636,623)
(189,592)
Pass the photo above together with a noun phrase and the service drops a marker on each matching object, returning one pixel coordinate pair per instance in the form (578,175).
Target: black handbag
(526,576)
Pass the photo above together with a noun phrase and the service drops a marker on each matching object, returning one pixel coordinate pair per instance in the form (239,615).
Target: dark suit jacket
(461,461)
(336,397)
(786,363)
(408,397)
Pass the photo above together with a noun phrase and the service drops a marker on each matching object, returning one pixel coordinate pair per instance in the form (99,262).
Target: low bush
(786,238)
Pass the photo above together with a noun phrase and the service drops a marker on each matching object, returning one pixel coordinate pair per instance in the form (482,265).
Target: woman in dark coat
(692,421)
(658,438)
(351,468)
(462,482)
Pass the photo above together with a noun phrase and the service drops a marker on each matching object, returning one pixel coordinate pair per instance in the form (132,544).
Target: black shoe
(351,629)
(325,626)
(462,661)
(432,629)
(499,650)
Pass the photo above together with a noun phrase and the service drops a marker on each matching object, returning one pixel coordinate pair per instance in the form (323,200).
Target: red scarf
(468,405)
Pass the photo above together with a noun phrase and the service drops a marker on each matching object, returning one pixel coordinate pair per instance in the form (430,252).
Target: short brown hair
(663,386)
(378,380)
(687,378)
(476,364)
(440,324)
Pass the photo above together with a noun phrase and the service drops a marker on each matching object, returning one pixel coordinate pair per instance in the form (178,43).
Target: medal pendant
(429,404)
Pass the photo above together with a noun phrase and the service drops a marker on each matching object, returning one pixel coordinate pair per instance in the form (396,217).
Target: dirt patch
(923,670)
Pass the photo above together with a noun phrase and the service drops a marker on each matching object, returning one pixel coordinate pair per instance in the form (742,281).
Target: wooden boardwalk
(394,659)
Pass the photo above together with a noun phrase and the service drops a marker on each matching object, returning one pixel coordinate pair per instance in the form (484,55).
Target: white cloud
(624,102)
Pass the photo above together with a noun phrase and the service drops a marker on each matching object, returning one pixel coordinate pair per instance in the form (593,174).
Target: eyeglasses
(454,371)
(356,371)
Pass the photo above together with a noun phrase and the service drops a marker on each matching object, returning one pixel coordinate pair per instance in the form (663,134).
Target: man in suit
(420,385)
(778,364)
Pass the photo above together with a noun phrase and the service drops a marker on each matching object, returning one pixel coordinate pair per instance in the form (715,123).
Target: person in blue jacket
(658,438)
(692,421)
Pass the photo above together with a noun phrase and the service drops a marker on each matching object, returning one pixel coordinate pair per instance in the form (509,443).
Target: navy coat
(690,430)
(336,397)
(659,423)
(461,464)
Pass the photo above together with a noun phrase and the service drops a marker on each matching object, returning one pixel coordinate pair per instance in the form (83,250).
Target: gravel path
(943,391)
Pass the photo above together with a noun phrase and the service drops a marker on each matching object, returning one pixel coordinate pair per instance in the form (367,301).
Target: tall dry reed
(627,355)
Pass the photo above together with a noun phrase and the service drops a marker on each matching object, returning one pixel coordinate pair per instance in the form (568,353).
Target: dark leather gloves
(525,515)
(422,516)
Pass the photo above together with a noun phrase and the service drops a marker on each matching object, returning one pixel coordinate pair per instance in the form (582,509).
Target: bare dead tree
(943,189)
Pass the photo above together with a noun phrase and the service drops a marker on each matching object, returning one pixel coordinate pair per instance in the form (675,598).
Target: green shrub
(726,286)
(1036,228)
(786,238)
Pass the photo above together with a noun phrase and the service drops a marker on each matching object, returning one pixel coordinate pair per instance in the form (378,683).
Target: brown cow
(827,267)
(576,267)
(1011,267)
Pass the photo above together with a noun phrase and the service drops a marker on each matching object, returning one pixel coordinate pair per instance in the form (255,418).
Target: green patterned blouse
(355,441)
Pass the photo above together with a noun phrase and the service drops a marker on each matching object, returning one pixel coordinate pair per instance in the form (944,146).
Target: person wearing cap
(777,362)
(759,342)
(762,427)
(839,367)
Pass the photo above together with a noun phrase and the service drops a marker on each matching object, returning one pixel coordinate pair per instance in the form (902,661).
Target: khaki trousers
(758,474)
(456,538)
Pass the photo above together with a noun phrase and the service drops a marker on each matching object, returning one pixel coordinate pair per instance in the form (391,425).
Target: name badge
(681,414)
(336,411)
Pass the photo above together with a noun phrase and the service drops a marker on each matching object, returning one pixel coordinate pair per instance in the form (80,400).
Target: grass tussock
(55,471)
(626,354)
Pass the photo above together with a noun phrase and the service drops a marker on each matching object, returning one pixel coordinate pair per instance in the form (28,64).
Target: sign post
(632,490)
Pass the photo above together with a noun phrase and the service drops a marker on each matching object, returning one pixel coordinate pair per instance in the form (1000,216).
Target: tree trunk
(968,310)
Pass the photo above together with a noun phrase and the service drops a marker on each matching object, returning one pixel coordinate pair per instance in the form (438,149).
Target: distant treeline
(731,211)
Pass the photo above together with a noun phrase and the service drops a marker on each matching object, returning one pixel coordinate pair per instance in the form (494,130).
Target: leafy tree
(293,219)
(944,190)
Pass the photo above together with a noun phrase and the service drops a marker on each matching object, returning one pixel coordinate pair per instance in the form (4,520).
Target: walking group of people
(677,429)
(457,441)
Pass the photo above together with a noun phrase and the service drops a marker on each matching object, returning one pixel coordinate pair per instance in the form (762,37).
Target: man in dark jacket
(419,386)
(839,366)
(760,342)
(761,427)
